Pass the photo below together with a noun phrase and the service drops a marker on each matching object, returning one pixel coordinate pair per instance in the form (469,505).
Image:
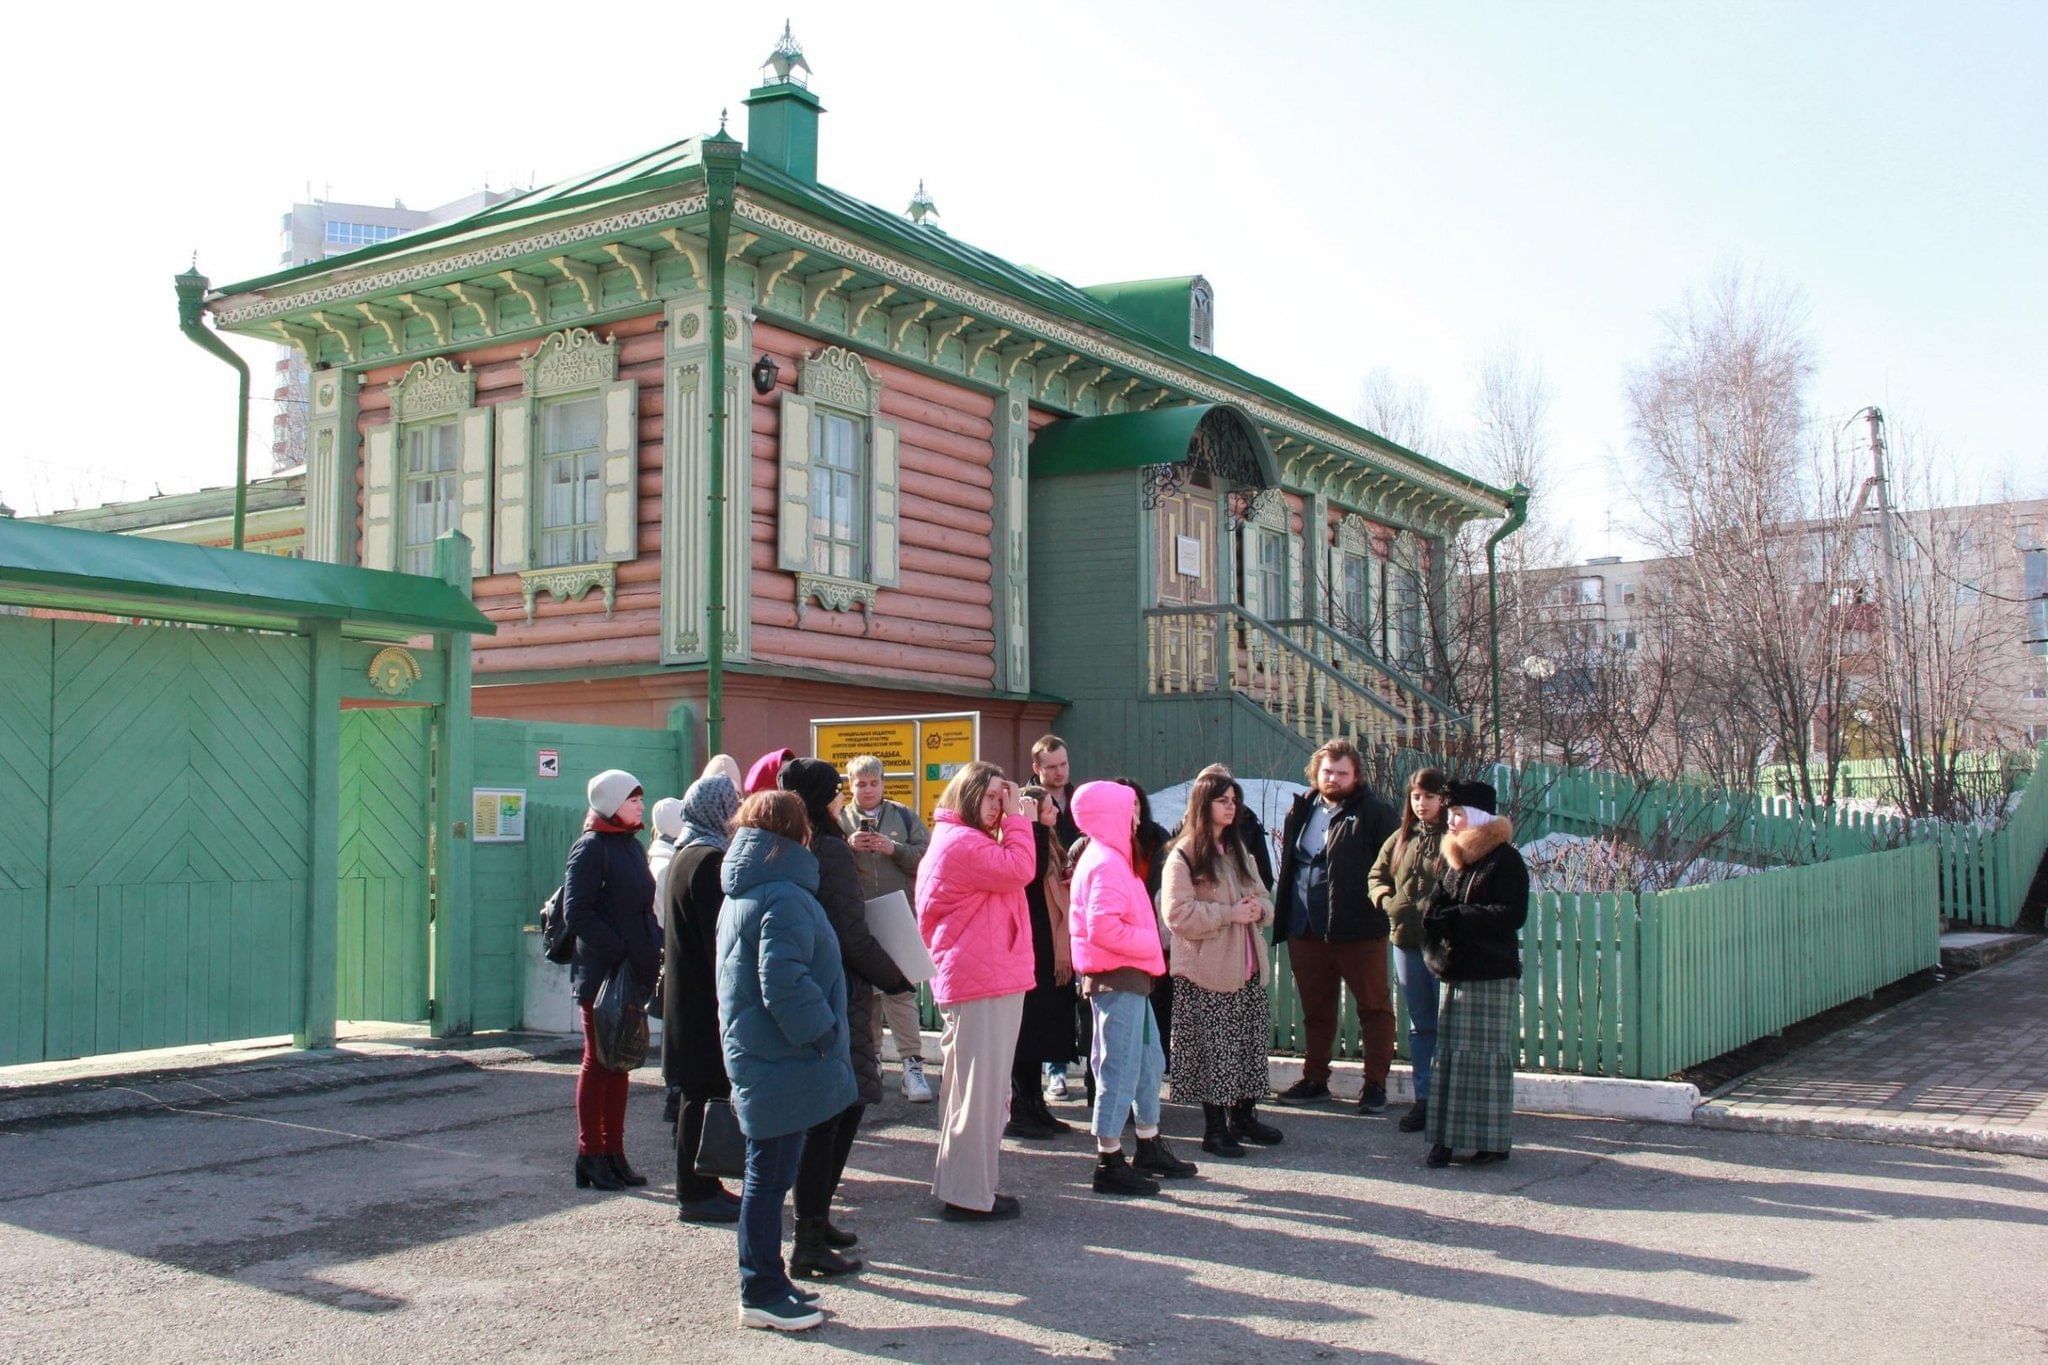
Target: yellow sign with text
(919,754)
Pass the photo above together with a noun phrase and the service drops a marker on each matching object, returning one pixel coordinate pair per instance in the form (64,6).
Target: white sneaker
(1056,1085)
(916,1088)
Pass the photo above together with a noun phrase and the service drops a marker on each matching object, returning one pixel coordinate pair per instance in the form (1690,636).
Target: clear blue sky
(1365,184)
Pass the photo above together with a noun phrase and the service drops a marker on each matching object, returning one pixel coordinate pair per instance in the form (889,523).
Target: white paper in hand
(894,926)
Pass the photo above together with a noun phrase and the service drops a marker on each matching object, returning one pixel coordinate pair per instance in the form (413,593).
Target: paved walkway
(1962,1066)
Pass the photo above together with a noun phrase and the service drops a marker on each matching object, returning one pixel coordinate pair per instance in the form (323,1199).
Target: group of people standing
(1063,923)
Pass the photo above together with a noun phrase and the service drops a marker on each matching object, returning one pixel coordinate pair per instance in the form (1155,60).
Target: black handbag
(722,1150)
(619,1021)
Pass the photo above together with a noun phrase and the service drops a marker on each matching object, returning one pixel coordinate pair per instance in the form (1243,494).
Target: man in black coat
(1323,912)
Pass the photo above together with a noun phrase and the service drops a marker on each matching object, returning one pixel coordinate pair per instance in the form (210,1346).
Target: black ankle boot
(595,1173)
(839,1237)
(626,1174)
(1217,1139)
(1113,1175)
(1247,1126)
(1156,1158)
(812,1255)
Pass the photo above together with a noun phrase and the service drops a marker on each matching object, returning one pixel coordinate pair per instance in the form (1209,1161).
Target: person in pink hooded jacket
(1117,953)
(973,915)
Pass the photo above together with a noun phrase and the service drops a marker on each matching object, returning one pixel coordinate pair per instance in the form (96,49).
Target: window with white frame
(837,495)
(432,494)
(1269,573)
(1354,592)
(571,480)
(838,523)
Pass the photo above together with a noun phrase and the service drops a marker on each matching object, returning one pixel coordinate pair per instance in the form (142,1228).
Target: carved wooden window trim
(837,383)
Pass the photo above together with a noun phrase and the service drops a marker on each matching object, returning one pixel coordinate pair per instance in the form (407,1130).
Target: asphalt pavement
(432,1217)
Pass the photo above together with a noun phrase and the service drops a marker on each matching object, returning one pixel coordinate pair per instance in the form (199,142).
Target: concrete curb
(1593,1097)
(36,1105)
(1895,1132)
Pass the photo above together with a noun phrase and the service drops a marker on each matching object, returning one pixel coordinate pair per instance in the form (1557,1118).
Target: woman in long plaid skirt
(1471,938)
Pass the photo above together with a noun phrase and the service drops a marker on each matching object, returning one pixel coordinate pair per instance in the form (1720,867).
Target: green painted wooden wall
(504,877)
(170,794)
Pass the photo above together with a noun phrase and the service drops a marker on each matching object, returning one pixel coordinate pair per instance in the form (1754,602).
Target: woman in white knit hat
(608,900)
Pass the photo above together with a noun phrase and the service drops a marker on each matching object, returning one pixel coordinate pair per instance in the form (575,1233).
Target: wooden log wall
(565,634)
(938,626)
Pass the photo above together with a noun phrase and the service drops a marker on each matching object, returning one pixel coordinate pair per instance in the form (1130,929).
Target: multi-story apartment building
(1990,561)
(314,231)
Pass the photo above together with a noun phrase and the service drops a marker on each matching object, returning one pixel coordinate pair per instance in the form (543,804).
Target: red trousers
(1362,965)
(600,1100)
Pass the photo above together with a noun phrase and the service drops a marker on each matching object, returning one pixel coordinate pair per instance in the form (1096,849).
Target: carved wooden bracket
(835,594)
(569,583)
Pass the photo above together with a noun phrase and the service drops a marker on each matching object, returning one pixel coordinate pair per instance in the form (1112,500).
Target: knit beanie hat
(724,765)
(761,777)
(668,817)
(816,781)
(609,790)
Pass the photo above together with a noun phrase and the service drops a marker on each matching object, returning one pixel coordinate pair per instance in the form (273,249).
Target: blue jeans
(1419,992)
(1129,1062)
(771,1170)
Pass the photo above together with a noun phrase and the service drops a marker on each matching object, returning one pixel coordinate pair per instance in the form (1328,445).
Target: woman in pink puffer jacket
(1117,952)
(973,915)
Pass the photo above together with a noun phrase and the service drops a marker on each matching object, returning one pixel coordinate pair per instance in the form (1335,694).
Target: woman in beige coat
(1216,910)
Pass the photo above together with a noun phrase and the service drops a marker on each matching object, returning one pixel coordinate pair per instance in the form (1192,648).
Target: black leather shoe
(595,1173)
(1247,1126)
(1006,1206)
(1439,1155)
(1488,1158)
(1156,1158)
(715,1208)
(626,1174)
(1217,1139)
(839,1237)
(1416,1119)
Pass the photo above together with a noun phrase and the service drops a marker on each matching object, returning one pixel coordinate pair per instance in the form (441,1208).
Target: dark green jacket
(1402,876)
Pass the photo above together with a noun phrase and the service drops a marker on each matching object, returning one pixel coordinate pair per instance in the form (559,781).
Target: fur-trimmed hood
(1465,847)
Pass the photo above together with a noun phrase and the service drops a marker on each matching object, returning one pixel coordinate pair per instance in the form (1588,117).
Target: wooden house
(723,435)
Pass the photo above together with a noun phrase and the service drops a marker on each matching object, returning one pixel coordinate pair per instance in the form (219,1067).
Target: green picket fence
(1985,873)
(1644,985)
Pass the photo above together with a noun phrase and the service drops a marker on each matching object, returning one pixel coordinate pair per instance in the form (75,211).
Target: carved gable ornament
(431,388)
(572,359)
(837,376)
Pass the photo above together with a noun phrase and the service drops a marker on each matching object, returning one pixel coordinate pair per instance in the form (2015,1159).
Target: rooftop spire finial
(787,59)
(921,205)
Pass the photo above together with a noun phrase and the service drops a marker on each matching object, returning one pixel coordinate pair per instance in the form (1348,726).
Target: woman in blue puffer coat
(782,1009)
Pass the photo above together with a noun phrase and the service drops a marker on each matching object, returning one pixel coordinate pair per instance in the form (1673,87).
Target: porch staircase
(1300,673)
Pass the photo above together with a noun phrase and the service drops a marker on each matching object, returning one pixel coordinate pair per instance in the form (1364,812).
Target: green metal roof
(670,167)
(1161,307)
(75,570)
(1133,440)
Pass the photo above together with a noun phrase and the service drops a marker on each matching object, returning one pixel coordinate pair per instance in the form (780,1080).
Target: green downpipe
(1518,512)
(191,311)
(721,172)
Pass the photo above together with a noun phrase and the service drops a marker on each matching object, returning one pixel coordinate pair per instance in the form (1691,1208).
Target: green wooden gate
(169,800)
(382,929)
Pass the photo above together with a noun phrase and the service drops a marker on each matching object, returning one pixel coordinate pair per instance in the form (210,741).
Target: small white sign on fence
(550,764)
(499,815)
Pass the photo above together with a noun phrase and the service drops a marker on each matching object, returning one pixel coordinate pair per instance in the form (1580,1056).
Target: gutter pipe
(1518,512)
(721,154)
(191,312)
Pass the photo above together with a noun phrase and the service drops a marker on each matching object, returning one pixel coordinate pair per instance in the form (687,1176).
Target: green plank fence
(1644,985)
(1985,873)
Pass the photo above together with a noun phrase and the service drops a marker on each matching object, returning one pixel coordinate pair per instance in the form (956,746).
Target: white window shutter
(473,517)
(510,546)
(1294,565)
(380,497)
(793,503)
(622,470)
(882,503)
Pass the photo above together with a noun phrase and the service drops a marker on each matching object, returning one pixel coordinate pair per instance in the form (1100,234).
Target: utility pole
(1895,587)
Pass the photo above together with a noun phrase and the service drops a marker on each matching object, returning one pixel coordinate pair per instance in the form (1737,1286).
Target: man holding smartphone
(888,842)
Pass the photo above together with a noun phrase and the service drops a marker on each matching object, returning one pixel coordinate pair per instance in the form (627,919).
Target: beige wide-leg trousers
(976,1048)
